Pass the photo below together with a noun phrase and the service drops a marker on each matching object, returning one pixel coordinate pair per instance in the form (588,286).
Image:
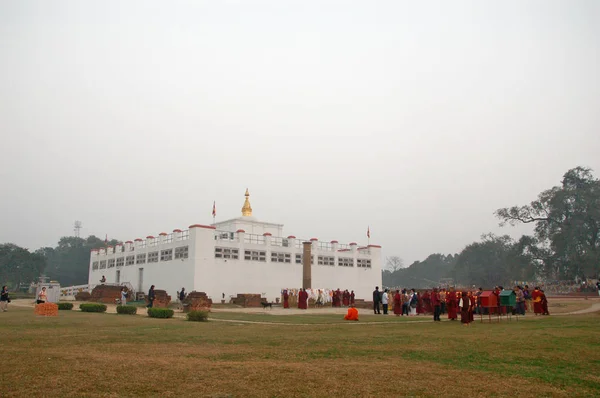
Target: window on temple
(140,259)
(103,264)
(153,257)
(130,260)
(227,252)
(345,262)
(120,261)
(281,257)
(95,265)
(326,260)
(363,262)
(111,263)
(166,255)
(181,252)
(255,255)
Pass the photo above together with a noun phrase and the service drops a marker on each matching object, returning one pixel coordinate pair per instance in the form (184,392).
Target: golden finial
(247,209)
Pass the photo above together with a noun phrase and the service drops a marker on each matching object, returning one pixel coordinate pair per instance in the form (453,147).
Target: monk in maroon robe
(427,302)
(303,299)
(536,296)
(465,317)
(346,298)
(420,308)
(473,302)
(451,304)
(286,299)
(352,297)
(397,303)
(544,303)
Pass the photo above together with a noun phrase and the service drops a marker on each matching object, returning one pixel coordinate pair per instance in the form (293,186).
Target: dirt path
(112,309)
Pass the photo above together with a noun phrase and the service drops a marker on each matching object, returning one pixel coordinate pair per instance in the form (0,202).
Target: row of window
(257,255)
(165,255)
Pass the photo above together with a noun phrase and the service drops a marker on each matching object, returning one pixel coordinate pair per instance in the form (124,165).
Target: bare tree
(394,263)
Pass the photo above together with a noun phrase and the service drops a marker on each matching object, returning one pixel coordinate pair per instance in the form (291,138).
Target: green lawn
(107,355)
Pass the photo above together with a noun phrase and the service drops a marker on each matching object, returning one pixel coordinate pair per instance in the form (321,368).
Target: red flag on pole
(214,213)
(368,232)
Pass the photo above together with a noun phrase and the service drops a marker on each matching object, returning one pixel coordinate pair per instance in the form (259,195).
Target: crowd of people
(321,297)
(465,302)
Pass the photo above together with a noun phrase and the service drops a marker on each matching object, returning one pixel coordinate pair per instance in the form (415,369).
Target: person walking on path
(151,297)
(376,300)
(4,299)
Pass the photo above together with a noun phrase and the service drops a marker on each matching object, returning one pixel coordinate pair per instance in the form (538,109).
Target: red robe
(398,304)
(435,300)
(286,299)
(303,300)
(537,302)
(451,305)
(427,303)
(544,304)
(472,309)
(346,297)
(352,297)
(465,317)
(420,308)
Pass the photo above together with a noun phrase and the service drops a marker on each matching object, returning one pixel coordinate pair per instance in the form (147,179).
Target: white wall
(203,272)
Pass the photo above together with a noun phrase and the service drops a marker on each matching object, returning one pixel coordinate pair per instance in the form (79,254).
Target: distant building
(241,255)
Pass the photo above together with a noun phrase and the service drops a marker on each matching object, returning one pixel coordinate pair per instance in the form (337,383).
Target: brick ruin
(196,301)
(248,300)
(161,299)
(83,296)
(107,294)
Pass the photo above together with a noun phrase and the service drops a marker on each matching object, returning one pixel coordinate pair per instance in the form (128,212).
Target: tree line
(67,262)
(565,243)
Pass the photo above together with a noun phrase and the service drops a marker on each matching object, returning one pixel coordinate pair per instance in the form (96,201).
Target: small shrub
(126,309)
(160,313)
(197,316)
(92,307)
(65,306)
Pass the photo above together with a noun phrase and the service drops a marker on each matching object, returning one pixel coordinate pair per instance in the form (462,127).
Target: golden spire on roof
(247,209)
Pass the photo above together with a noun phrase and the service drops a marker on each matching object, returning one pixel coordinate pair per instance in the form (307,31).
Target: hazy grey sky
(416,118)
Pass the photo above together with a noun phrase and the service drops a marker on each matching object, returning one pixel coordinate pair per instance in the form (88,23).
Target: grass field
(108,355)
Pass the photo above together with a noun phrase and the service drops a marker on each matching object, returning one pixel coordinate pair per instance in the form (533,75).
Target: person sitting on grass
(352,314)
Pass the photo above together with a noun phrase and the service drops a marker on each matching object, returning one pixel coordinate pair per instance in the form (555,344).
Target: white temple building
(241,255)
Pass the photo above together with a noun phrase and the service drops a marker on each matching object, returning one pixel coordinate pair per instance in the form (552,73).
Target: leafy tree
(567,226)
(68,263)
(421,274)
(18,265)
(496,260)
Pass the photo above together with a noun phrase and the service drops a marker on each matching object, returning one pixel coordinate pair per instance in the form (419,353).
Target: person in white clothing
(123,296)
(384,301)
(413,302)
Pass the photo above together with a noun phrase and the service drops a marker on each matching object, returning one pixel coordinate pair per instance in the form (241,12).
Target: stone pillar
(306,266)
